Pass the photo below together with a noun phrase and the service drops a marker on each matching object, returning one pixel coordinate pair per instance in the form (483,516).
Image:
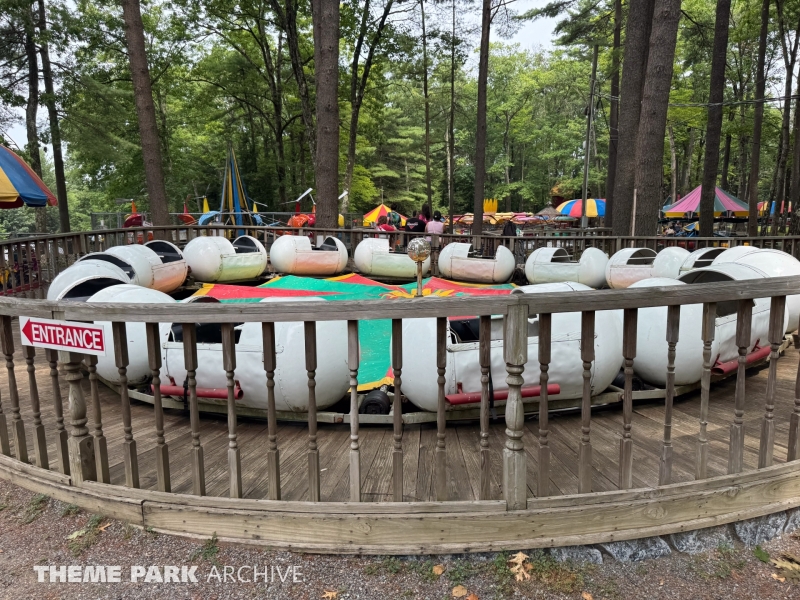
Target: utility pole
(589,121)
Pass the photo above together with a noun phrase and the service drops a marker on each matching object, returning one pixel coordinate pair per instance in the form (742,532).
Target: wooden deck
(419,441)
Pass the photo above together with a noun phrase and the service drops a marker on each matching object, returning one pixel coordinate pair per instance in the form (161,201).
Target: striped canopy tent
(724,203)
(19,185)
(380,211)
(234,196)
(595,207)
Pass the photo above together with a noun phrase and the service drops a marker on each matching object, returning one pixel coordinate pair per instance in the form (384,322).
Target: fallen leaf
(459,591)
(76,534)
(788,565)
(328,595)
(438,569)
(472,597)
(104,526)
(777,577)
(587,596)
(520,568)
(518,558)
(661,582)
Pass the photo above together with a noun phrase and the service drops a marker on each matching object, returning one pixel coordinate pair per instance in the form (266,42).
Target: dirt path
(38,531)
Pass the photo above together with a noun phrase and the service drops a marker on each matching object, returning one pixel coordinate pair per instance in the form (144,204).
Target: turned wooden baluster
(708,328)
(81,447)
(545,329)
(17,426)
(440,455)
(626,442)
(485,353)
(776,331)
(515,352)
(744,319)
(39,439)
(793,451)
(585,448)
(397,407)
(62,451)
(129,456)
(234,455)
(673,325)
(355,448)
(310,328)
(162,450)
(273,454)
(190,362)
(100,448)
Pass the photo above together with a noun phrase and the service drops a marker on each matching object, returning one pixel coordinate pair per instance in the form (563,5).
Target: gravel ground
(36,530)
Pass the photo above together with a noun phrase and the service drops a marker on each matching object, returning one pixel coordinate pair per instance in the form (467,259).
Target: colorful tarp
(723,203)
(595,207)
(380,211)
(20,185)
(374,335)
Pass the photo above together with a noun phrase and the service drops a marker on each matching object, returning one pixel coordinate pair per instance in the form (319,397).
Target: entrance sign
(71,336)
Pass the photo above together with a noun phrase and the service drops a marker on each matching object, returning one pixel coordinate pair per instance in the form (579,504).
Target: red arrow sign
(85,338)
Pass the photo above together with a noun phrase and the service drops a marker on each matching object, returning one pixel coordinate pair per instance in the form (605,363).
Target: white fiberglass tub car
(85,278)
(291,378)
(634,264)
(419,382)
(773,263)
(375,257)
(138,364)
(651,346)
(294,254)
(215,259)
(702,257)
(553,265)
(455,263)
(144,266)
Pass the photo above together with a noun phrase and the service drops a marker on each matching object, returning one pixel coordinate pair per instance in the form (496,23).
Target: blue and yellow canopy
(20,185)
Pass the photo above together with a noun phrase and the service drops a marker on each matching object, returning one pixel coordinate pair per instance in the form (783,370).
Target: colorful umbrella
(380,211)
(20,185)
(723,203)
(374,336)
(595,207)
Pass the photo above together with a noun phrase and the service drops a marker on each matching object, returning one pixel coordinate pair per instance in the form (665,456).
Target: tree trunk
(655,101)
(287,19)
(31,110)
(427,109)
(55,130)
(634,63)
(794,186)
(758,119)
(325,16)
(146,112)
(714,125)
(673,163)
(480,134)
(358,86)
(689,158)
(789,60)
(613,126)
(726,161)
(451,144)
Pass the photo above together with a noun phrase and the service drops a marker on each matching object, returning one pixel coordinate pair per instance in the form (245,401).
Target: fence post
(80,444)
(515,349)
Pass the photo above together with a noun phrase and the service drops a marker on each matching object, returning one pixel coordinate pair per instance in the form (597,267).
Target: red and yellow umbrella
(380,211)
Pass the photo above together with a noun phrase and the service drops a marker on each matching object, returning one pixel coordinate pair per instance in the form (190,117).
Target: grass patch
(70,510)
(460,571)
(558,577)
(389,565)
(35,508)
(208,551)
(83,539)
(761,554)
(501,574)
(726,562)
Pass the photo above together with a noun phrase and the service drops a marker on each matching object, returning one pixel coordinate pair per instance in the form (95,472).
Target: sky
(532,34)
